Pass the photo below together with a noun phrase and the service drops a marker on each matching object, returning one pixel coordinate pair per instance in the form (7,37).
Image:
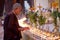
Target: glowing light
(22,23)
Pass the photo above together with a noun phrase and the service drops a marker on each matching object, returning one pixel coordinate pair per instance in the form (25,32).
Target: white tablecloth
(36,35)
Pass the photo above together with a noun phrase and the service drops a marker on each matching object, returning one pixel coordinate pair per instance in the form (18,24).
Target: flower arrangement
(32,16)
(56,15)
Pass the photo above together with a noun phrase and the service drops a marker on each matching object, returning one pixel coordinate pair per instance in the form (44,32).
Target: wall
(43,3)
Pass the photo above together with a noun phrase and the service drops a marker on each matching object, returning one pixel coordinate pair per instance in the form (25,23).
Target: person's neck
(14,12)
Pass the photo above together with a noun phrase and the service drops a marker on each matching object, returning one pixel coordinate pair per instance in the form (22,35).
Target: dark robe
(11,26)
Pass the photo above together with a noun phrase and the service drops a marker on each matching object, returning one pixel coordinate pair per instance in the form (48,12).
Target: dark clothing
(11,26)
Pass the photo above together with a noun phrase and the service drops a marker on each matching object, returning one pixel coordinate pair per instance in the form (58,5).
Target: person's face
(18,10)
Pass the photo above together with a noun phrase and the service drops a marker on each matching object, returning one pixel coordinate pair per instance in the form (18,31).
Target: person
(12,30)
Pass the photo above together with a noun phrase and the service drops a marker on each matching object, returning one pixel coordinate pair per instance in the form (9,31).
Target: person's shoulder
(9,14)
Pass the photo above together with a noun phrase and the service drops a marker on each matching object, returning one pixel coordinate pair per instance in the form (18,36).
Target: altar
(36,34)
(43,32)
(44,23)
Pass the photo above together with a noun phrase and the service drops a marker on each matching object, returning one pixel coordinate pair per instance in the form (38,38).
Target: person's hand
(21,29)
(26,28)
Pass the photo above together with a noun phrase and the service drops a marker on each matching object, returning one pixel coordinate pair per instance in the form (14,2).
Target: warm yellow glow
(39,6)
(33,8)
(22,23)
(54,4)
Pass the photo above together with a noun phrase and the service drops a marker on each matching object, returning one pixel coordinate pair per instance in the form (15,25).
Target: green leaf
(41,20)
